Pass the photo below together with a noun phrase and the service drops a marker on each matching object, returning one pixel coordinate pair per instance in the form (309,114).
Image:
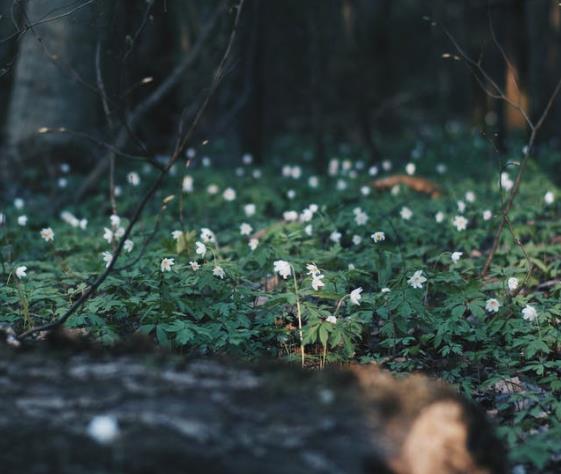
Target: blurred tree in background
(327,71)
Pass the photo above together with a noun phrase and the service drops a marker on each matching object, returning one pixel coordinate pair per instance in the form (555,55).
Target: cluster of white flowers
(289,171)
(73,221)
(316,275)
(308,214)
(116,231)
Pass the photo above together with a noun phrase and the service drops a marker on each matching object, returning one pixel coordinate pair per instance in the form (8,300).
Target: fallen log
(87,412)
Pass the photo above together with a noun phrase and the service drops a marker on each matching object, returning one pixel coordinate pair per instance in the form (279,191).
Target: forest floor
(229,261)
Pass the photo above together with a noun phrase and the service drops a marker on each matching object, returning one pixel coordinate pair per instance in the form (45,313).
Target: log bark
(215,416)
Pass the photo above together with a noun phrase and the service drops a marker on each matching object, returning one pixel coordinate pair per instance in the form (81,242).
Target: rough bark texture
(50,86)
(212,416)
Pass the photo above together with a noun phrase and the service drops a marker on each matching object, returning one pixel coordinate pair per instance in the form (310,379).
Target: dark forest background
(360,72)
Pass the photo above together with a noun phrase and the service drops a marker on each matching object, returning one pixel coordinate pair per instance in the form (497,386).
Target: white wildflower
(417,280)
(460,223)
(200,249)
(282,267)
(253,243)
(249,210)
(218,272)
(22,220)
(331,319)
(229,194)
(245,229)
(335,236)
(512,283)
(378,237)
(187,184)
(21,272)
(128,245)
(108,235)
(133,178)
(529,313)
(355,296)
(107,258)
(207,235)
(406,213)
(194,266)
(492,305)
(166,264)
(456,256)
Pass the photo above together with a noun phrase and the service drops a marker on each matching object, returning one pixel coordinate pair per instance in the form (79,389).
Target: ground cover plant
(319,267)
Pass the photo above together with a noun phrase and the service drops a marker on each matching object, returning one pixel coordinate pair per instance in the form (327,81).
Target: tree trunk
(209,416)
(53,82)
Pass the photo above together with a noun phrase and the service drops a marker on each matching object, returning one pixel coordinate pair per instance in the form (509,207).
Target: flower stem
(299,316)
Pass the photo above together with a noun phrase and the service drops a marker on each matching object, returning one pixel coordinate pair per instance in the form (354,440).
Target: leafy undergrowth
(225,261)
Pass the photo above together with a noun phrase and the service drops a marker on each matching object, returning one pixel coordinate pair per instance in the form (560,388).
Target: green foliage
(444,327)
